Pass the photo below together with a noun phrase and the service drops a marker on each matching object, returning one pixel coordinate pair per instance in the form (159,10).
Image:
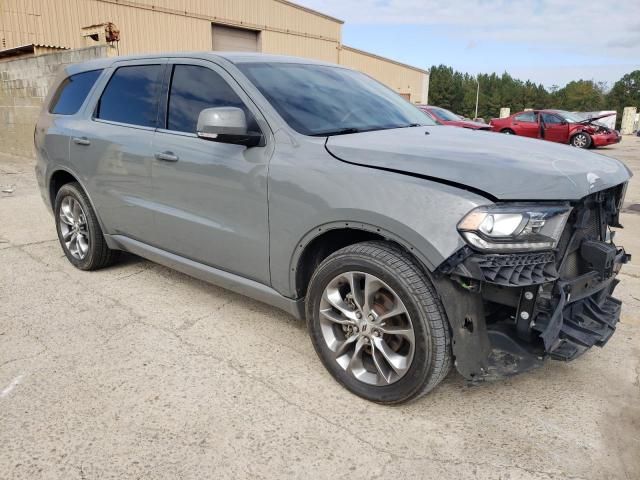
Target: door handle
(167,156)
(81,141)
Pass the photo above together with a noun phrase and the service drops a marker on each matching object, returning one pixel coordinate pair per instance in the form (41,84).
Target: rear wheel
(376,323)
(581,140)
(78,230)
(507,131)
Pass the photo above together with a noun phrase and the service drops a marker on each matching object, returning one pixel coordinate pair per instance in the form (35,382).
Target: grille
(517,269)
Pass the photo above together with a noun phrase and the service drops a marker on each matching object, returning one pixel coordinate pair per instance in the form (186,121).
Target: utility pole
(477,96)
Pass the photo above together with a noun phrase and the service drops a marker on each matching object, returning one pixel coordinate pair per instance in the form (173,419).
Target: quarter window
(72,92)
(194,88)
(526,117)
(131,96)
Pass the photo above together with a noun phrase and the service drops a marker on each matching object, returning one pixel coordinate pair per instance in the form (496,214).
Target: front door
(554,128)
(210,198)
(113,147)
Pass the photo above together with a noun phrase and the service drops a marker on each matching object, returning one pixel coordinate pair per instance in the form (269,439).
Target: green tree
(581,95)
(625,93)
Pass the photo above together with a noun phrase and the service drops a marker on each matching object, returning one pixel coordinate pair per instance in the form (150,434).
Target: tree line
(456,91)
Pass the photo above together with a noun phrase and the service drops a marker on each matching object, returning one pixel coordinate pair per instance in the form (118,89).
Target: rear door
(113,146)
(210,198)
(554,128)
(526,124)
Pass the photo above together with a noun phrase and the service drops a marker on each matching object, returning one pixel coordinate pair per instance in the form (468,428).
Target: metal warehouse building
(269,26)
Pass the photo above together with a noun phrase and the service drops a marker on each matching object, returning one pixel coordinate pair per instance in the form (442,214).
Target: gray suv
(407,246)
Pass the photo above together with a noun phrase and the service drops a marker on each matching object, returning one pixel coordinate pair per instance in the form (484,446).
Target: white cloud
(606,28)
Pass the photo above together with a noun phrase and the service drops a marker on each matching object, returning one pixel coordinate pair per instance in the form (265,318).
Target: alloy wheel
(580,140)
(73,227)
(367,328)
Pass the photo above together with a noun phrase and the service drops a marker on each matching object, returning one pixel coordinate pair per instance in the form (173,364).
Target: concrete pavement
(138,371)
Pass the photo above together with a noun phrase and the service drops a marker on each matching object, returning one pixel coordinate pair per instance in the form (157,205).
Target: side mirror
(226,125)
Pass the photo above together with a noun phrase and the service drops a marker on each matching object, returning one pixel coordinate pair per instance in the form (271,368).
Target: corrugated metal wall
(402,78)
(157,25)
(174,25)
(281,43)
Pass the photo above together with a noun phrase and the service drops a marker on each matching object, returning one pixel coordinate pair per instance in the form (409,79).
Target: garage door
(230,39)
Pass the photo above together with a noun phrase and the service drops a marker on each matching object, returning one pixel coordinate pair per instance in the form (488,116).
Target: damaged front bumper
(511,312)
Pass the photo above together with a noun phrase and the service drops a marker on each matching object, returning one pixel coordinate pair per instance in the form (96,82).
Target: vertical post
(628,119)
(477,97)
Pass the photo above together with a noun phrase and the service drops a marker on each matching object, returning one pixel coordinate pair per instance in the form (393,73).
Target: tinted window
(526,117)
(72,92)
(193,89)
(550,119)
(131,96)
(319,99)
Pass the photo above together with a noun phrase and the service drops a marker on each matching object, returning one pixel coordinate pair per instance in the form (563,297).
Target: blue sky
(547,41)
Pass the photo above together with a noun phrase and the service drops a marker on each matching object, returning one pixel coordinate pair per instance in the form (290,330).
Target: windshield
(444,114)
(323,100)
(570,117)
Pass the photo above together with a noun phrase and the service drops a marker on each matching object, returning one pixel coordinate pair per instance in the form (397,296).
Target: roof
(233,57)
(385,59)
(310,10)
(29,48)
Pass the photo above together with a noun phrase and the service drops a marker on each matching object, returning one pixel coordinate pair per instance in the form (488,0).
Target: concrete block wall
(24,84)
(628,120)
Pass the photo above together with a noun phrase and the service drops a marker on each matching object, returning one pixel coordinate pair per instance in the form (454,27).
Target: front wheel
(508,131)
(581,140)
(376,323)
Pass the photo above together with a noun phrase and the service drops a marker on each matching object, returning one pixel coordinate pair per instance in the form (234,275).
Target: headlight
(514,227)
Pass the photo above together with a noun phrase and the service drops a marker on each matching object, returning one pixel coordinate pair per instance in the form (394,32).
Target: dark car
(558,126)
(447,117)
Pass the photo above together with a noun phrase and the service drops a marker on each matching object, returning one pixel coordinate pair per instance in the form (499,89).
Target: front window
(324,100)
(444,114)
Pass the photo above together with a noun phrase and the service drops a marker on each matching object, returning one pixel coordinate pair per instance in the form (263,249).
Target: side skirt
(235,283)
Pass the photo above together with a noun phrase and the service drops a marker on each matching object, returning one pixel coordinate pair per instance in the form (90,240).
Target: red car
(557,126)
(444,116)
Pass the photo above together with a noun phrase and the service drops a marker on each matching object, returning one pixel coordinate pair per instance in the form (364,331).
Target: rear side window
(72,92)
(194,88)
(526,117)
(131,96)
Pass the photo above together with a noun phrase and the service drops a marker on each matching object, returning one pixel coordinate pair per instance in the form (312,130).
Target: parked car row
(551,125)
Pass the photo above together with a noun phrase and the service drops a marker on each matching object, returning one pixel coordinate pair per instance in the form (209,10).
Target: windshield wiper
(346,131)
(340,131)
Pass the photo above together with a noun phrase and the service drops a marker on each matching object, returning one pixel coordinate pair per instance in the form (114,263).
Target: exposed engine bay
(511,311)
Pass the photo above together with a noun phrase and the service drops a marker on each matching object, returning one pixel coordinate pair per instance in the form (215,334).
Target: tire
(581,140)
(507,131)
(74,214)
(400,278)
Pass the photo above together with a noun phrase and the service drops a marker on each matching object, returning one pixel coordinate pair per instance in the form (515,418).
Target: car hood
(593,119)
(502,167)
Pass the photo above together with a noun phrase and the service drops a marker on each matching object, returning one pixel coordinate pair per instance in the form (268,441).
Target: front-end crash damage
(509,311)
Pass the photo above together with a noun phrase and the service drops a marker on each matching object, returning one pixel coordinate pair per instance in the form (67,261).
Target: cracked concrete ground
(137,371)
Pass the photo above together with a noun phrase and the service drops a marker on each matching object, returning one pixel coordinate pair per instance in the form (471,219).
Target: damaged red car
(558,126)
(447,117)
